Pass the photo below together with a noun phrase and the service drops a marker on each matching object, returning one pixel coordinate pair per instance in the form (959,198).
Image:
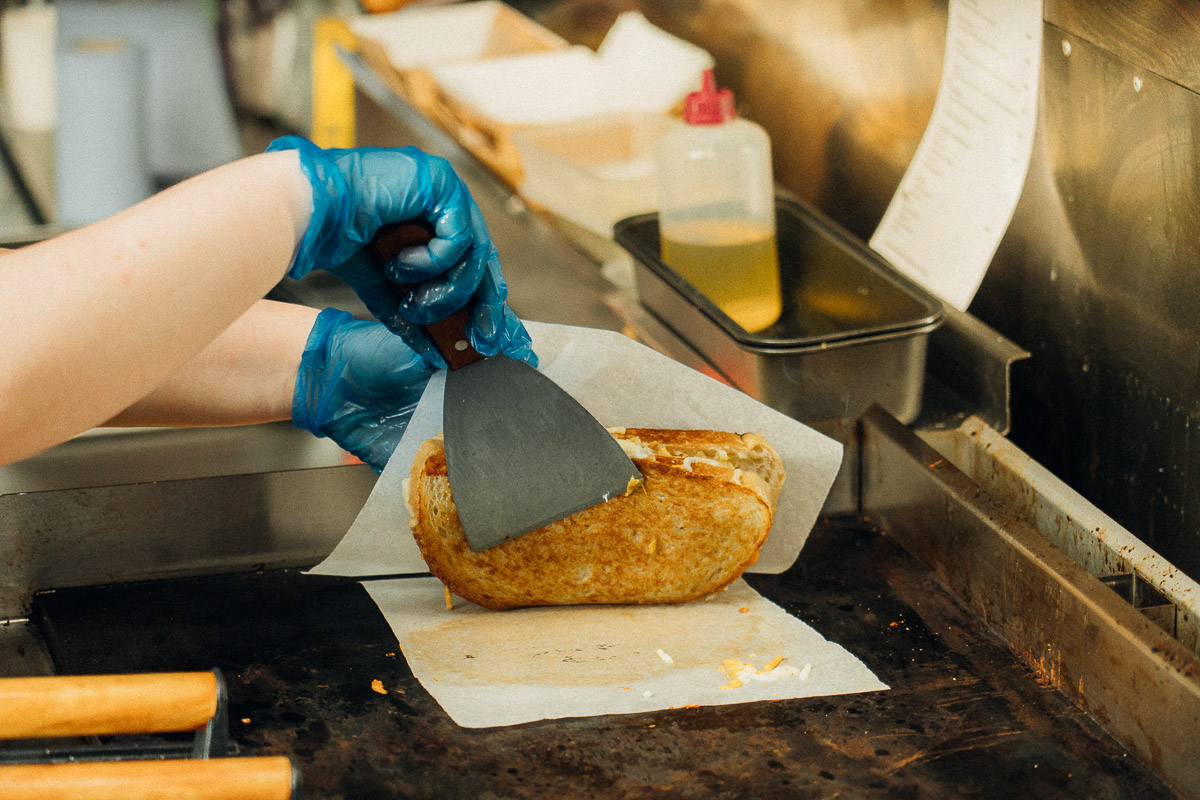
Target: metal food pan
(853,331)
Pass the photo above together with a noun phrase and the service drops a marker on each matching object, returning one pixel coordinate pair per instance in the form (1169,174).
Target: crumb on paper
(377,686)
(744,610)
(449,598)
(665,657)
(741,672)
(647,693)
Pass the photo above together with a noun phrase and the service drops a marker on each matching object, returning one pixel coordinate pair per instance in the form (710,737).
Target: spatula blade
(522,453)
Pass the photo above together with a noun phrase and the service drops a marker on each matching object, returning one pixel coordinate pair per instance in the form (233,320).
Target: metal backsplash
(1098,275)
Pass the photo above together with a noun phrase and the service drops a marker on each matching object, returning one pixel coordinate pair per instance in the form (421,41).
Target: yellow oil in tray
(734,263)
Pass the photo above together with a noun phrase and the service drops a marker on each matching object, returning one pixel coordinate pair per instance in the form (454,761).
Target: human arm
(96,318)
(246,375)
(330,374)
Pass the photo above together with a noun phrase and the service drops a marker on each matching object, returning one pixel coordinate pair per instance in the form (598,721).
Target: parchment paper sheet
(490,668)
(622,383)
(501,668)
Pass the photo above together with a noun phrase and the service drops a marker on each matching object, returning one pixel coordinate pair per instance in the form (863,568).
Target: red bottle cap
(709,106)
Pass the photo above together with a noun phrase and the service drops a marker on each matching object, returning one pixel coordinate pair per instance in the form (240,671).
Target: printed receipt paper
(591,660)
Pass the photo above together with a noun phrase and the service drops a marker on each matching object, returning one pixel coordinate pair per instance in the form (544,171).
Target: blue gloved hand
(358,384)
(358,191)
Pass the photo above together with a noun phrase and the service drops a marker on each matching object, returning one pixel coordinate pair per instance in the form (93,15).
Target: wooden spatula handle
(253,778)
(449,335)
(83,705)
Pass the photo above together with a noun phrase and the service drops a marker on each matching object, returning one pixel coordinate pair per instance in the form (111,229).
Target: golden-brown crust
(693,529)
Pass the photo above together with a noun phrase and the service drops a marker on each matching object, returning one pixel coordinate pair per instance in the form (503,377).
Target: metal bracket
(213,740)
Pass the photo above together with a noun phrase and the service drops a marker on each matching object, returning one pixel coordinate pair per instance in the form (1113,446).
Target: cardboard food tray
(507,33)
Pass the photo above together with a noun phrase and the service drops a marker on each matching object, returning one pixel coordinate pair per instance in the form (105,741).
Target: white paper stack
(638,67)
(431,36)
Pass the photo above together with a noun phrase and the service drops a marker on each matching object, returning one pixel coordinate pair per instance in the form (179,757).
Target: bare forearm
(95,319)
(245,376)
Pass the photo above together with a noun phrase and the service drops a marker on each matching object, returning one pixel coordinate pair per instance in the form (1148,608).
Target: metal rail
(1079,635)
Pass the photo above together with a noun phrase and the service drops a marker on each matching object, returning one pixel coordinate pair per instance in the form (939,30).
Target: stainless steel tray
(853,331)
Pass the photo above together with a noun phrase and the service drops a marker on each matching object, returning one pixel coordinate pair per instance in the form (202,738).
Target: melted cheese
(740,672)
(635,449)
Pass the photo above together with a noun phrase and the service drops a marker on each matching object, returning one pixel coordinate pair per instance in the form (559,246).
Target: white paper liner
(488,668)
(622,383)
(501,668)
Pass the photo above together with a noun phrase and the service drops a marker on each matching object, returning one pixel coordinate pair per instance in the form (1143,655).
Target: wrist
(299,193)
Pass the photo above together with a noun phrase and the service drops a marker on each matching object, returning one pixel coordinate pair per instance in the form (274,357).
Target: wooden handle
(448,335)
(83,705)
(257,778)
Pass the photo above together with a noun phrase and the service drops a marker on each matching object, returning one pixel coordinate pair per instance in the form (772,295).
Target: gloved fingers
(385,302)
(499,330)
(357,384)
(398,185)
(437,297)
(494,327)
(447,204)
(364,276)
(417,340)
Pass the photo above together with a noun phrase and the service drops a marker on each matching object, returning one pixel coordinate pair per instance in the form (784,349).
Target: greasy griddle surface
(963,717)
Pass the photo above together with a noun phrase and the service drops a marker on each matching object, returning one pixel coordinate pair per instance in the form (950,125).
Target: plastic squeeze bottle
(717,207)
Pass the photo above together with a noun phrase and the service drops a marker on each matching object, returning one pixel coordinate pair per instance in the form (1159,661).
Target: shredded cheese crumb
(635,449)
(449,598)
(740,672)
(377,686)
(690,460)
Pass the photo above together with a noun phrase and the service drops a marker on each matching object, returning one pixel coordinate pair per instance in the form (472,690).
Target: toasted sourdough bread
(692,529)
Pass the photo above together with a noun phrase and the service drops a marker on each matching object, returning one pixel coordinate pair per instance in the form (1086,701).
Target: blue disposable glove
(358,384)
(358,191)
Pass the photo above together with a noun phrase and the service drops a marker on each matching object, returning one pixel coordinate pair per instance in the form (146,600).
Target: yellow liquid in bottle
(734,263)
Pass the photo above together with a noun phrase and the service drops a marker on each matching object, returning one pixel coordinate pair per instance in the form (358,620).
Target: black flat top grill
(964,717)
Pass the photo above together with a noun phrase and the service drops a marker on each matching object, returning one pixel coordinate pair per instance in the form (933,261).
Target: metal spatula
(520,451)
